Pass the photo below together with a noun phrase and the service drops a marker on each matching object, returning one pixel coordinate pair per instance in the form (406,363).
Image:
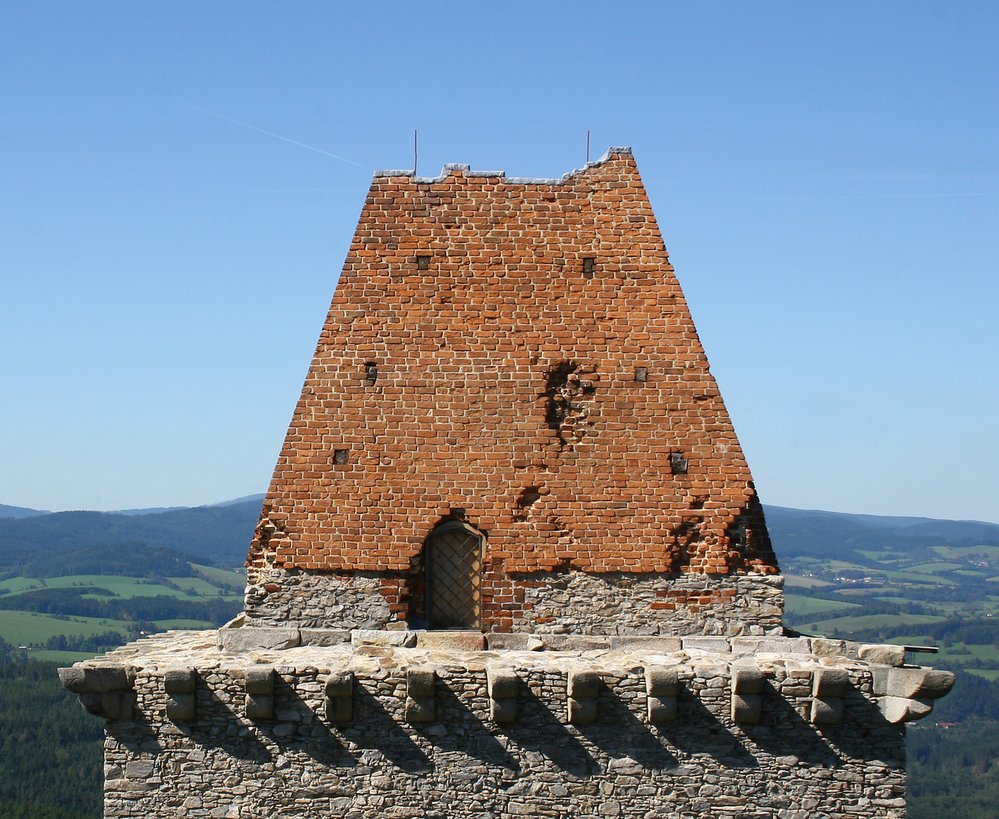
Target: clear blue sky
(826,177)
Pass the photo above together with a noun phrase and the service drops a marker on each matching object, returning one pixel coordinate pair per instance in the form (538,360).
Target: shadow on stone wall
(537,729)
(620,733)
(463,731)
(375,728)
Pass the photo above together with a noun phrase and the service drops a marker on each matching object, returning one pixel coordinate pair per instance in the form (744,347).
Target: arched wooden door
(453,566)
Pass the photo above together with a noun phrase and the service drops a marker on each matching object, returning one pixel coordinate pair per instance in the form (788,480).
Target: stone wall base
(558,602)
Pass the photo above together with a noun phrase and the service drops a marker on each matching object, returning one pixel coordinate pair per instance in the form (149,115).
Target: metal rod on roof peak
(587,146)
(416,152)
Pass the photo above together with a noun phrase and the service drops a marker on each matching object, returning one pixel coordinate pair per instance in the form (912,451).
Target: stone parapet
(689,726)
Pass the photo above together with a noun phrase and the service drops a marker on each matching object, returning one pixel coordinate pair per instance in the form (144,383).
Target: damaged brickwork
(520,350)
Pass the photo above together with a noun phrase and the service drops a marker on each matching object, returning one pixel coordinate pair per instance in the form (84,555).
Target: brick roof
(503,380)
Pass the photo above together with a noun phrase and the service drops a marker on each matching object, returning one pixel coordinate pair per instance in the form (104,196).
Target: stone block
(882,654)
(456,640)
(707,645)
(181,707)
(118,705)
(179,680)
(503,711)
(830,682)
(80,680)
(827,711)
(637,642)
(900,709)
(879,680)
(825,647)
(582,711)
(389,639)
(339,688)
(259,706)
(747,680)
(584,684)
(259,679)
(514,642)
(339,710)
(421,709)
(502,683)
(661,682)
(919,683)
(747,708)
(323,636)
(574,642)
(420,682)
(258,638)
(661,709)
(751,646)
(340,684)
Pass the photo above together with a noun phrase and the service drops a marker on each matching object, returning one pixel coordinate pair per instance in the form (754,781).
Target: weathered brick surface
(503,380)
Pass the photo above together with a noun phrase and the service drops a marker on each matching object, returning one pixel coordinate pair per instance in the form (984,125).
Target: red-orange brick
(463,412)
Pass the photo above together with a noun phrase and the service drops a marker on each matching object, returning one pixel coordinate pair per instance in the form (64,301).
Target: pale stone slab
(882,654)
(254,638)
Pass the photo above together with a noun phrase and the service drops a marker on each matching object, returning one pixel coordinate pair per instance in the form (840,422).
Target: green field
(797,581)
(186,625)
(794,604)
(846,625)
(45,655)
(990,674)
(224,577)
(193,588)
(27,628)
(940,566)
(19,584)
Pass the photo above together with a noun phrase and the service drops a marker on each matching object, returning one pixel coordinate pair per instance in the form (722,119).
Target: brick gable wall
(474,364)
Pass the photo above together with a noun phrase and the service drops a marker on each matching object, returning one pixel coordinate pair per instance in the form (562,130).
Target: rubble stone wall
(563,603)
(463,764)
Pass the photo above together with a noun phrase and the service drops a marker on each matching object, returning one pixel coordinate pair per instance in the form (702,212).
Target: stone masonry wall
(464,764)
(612,603)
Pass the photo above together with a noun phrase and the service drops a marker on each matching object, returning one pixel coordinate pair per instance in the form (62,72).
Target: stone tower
(511,561)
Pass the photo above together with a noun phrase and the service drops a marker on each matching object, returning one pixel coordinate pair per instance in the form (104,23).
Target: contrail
(275,136)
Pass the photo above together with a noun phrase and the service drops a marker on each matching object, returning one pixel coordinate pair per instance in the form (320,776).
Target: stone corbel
(259,685)
(830,686)
(583,690)
(907,694)
(179,684)
(747,695)
(502,686)
(662,686)
(340,697)
(421,706)
(104,692)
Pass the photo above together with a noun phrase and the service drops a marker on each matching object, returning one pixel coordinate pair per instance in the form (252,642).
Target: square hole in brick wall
(422,262)
(340,456)
(589,265)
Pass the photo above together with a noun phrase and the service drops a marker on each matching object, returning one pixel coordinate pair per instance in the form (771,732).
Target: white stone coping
(237,647)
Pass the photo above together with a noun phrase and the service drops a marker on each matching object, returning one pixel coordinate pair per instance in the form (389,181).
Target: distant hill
(800,533)
(19,511)
(209,534)
(220,533)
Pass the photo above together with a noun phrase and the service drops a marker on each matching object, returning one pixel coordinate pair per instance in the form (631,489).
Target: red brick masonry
(519,354)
